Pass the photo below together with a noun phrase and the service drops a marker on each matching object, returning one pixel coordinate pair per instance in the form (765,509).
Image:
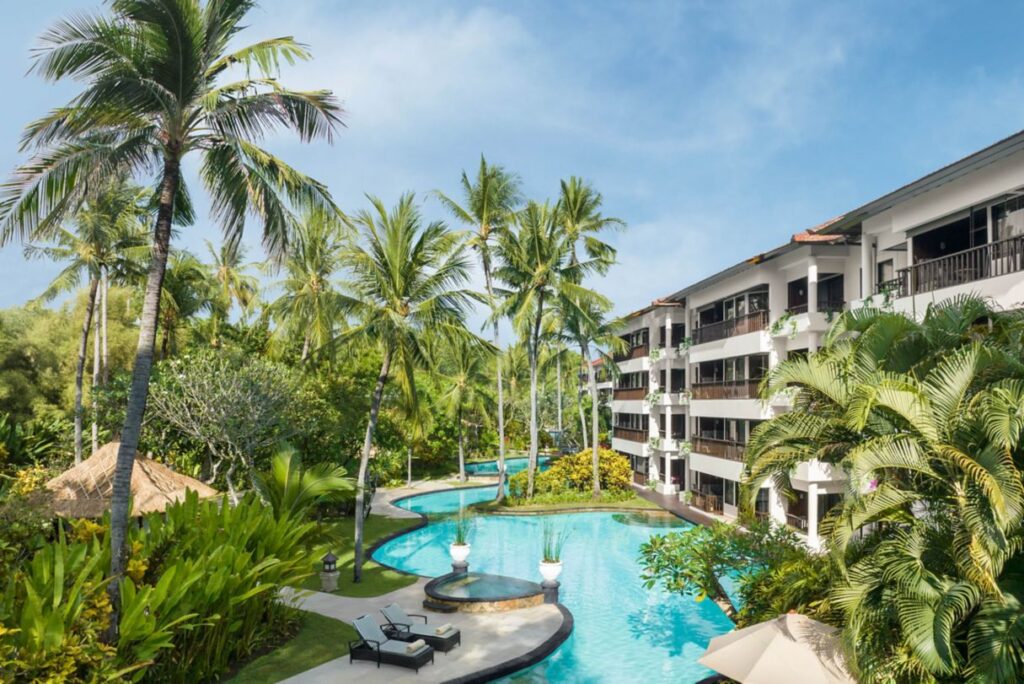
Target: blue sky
(715,129)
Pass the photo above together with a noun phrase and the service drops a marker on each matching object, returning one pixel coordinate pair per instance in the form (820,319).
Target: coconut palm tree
(579,213)
(406,285)
(465,371)
(234,286)
(107,237)
(536,270)
(489,203)
(585,323)
(157,88)
(309,305)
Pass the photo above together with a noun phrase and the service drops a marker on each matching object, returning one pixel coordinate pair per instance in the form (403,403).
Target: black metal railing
(977,263)
(752,322)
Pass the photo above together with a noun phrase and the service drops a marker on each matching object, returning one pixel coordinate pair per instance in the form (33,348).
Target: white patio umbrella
(790,648)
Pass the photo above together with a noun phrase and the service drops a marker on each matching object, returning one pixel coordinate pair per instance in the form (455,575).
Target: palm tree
(585,323)
(156,89)
(579,213)
(106,236)
(536,271)
(924,418)
(465,370)
(406,285)
(309,303)
(291,490)
(489,203)
(233,285)
(188,289)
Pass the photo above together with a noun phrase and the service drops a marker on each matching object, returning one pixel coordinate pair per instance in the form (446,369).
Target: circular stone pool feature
(477,592)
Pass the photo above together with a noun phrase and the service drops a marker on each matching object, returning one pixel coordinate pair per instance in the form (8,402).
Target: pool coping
(431,589)
(511,666)
(528,659)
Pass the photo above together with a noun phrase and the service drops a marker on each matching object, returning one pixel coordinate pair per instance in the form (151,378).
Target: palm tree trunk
(592,383)
(408,480)
(462,451)
(558,373)
(83,349)
(364,461)
(500,495)
(95,376)
(531,464)
(579,403)
(305,349)
(105,369)
(139,391)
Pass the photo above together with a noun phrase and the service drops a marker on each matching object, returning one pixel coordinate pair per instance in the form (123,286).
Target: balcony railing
(986,261)
(726,389)
(752,322)
(712,503)
(797,522)
(629,393)
(722,448)
(637,352)
(824,306)
(631,434)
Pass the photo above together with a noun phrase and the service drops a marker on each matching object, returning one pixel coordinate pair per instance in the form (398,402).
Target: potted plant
(683,346)
(459,548)
(686,496)
(685,447)
(655,354)
(551,556)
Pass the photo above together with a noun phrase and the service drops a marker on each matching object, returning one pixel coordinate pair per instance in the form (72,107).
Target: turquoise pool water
(512,466)
(623,632)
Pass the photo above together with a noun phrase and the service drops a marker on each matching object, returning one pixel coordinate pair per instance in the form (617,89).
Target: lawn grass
(318,640)
(376,580)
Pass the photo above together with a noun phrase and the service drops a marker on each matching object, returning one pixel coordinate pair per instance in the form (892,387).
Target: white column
(812,285)
(812,515)
(867,266)
(668,435)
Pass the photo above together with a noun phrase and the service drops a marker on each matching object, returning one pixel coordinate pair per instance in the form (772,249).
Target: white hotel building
(685,399)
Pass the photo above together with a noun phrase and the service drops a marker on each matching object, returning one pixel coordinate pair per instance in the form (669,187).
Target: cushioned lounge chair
(375,646)
(402,626)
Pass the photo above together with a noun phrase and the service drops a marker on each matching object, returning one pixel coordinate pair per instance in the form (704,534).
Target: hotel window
(1008,219)
(729,496)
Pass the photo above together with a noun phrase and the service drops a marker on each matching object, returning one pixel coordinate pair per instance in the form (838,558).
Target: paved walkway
(488,639)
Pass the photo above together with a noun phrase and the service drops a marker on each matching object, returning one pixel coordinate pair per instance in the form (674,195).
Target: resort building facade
(685,398)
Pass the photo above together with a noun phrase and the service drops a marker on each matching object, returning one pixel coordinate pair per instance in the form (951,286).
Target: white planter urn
(550,570)
(459,552)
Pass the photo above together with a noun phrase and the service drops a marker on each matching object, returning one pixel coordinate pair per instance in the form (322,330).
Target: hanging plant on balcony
(685,345)
(786,320)
(654,442)
(654,397)
(685,395)
(685,447)
(655,354)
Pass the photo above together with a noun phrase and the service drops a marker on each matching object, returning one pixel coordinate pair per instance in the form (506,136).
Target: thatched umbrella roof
(85,490)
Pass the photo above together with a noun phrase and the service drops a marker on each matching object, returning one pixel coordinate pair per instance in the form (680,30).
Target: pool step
(438,607)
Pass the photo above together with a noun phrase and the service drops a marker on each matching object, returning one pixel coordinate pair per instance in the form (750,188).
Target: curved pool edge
(528,659)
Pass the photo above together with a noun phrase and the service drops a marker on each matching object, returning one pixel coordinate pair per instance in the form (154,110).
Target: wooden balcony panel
(731,451)
(631,435)
(732,389)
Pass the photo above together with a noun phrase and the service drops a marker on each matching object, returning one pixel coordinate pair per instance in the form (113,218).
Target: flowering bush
(575,474)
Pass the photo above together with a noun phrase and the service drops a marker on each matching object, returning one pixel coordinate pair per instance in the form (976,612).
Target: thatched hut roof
(85,490)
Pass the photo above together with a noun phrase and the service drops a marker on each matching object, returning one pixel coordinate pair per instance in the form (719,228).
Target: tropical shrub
(574,475)
(201,592)
(291,490)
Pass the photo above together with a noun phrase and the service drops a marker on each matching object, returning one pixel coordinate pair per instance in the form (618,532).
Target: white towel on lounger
(415,646)
(446,627)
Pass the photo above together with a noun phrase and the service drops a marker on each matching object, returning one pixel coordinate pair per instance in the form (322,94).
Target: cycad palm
(406,284)
(309,306)
(106,240)
(156,89)
(489,203)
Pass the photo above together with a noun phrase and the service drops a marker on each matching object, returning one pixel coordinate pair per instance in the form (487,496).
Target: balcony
(797,522)
(986,261)
(752,322)
(630,434)
(637,352)
(722,448)
(710,503)
(625,394)
(824,306)
(726,389)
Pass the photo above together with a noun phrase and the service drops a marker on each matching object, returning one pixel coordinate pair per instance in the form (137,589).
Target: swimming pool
(512,466)
(623,632)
